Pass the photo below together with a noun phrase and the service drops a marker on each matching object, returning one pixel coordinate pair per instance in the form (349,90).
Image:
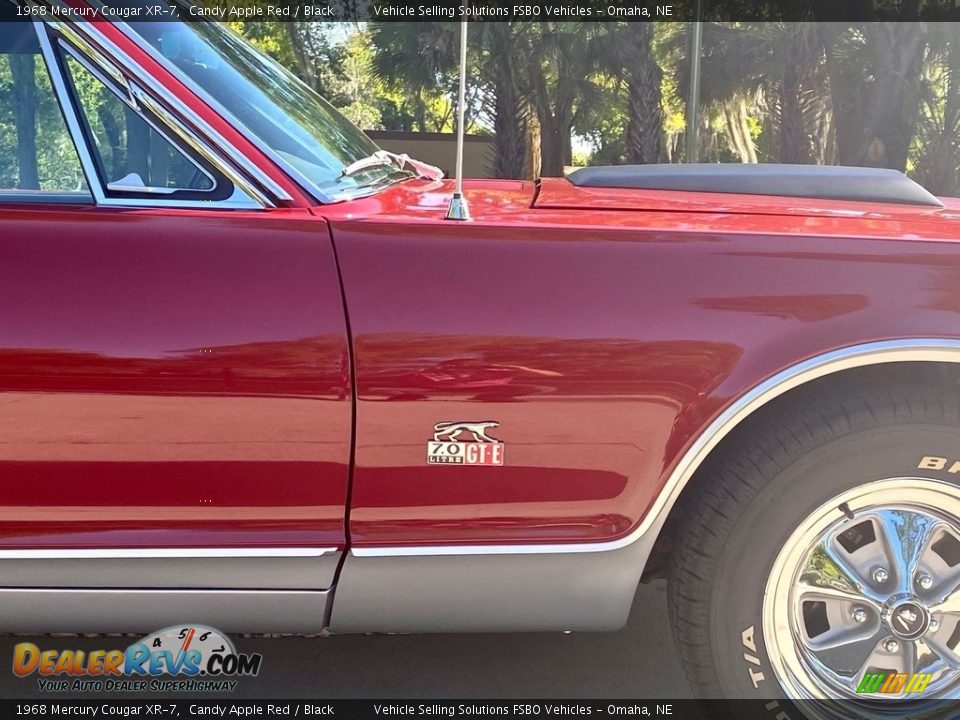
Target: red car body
(250,382)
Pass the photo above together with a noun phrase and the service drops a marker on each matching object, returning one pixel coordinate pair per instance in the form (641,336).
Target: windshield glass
(307,135)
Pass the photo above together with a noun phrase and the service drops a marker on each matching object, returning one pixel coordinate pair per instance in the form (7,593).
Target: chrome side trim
(878,353)
(220,571)
(104,553)
(47,610)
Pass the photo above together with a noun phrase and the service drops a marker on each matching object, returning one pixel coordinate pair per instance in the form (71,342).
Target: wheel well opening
(944,377)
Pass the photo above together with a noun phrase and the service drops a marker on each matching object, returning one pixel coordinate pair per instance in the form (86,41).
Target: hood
(558,201)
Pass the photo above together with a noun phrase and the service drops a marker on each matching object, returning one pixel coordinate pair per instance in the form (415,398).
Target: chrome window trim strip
(252,188)
(238,200)
(877,353)
(69,113)
(297,176)
(131,99)
(114,553)
(239,161)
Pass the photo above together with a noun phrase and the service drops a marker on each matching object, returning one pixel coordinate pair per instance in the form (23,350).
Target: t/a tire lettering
(756,676)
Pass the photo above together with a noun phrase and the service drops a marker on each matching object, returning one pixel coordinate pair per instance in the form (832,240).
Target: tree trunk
(735,115)
(138,146)
(533,160)
(23,69)
(510,125)
(645,113)
(795,143)
(420,112)
(304,61)
(555,147)
(876,123)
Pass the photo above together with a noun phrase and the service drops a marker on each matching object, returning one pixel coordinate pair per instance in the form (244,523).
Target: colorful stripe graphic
(894,683)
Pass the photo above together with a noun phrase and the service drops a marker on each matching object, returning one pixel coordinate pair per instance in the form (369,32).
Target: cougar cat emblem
(451,430)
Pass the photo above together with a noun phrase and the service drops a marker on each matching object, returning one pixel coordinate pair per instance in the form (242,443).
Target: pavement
(637,662)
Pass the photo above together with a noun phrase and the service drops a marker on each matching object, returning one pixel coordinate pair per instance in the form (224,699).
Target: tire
(744,510)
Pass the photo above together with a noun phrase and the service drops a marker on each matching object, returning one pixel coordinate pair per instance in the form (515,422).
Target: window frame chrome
(248,176)
(302,180)
(252,189)
(124,92)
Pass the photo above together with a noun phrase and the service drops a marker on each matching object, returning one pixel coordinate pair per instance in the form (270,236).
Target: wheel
(819,558)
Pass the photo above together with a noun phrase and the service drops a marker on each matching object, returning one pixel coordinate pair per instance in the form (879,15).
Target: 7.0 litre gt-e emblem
(447,448)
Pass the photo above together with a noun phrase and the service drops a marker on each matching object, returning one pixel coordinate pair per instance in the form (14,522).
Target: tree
(422,58)
(875,71)
(499,43)
(935,154)
(23,69)
(418,57)
(564,62)
(644,79)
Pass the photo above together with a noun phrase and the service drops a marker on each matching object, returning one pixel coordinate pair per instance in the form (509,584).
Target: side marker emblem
(448,448)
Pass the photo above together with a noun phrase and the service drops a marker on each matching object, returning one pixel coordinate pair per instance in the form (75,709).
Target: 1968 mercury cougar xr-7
(251,376)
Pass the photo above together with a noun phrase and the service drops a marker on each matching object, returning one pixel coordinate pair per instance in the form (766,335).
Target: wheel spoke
(829,594)
(944,596)
(949,605)
(937,642)
(905,537)
(834,613)
(834,567)
(927,657)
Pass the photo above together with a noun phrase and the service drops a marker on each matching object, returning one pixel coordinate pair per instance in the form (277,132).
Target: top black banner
(505,10)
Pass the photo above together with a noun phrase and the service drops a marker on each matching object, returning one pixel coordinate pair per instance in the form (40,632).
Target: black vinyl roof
(821,182)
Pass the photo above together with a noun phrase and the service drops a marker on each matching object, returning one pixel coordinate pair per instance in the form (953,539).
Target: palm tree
(422,57)
(935,153)
(626,55)
(564,58)
(417,57)
(499,45)
(771,71)
(875,83)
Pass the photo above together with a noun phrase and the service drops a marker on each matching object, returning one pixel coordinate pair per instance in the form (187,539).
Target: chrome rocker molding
(47,610)
(117,553)
(171,568)
(582,586)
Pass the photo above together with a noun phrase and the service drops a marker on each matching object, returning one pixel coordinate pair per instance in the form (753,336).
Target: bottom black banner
(525,709)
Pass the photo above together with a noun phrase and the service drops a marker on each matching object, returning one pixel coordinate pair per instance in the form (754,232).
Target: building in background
(440,149)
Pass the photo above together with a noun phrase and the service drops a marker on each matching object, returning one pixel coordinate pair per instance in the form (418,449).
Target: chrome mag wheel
(867,585)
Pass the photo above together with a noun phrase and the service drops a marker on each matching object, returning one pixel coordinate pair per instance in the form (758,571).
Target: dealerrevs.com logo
(199,658)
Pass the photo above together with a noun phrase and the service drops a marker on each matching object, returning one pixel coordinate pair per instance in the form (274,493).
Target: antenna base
(458,208)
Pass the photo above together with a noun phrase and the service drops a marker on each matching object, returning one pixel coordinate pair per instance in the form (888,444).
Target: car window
(131,155)
(37,154)
(303,132)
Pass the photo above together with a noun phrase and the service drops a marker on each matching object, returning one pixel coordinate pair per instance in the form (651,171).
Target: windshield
(305,133)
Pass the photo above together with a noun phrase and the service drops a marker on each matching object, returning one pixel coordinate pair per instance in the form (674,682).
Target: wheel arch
(927,361)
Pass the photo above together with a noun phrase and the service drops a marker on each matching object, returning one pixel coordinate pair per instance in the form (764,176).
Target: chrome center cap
(908,619)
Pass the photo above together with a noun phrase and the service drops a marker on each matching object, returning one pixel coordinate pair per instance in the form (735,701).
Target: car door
(175,404)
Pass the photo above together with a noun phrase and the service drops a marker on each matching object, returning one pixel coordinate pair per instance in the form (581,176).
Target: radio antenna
(458,208)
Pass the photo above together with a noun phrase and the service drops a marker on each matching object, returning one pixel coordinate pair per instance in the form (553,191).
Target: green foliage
(57,166)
